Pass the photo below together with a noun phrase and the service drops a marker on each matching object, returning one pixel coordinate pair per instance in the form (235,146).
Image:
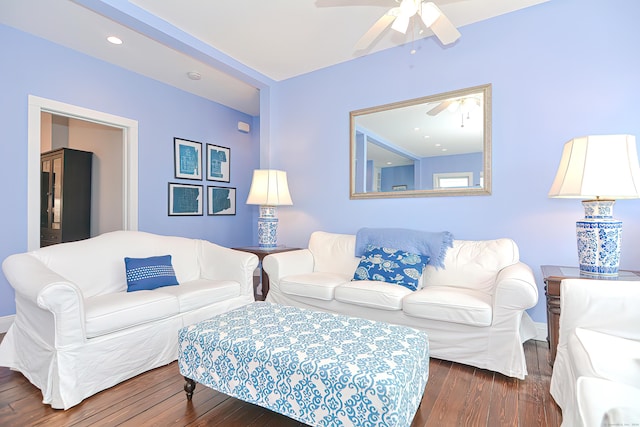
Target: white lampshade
(602,166)
(269,187)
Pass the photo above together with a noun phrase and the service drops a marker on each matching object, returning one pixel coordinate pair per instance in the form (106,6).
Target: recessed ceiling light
(427,136)
(194,75)
(416,129)
(114,40)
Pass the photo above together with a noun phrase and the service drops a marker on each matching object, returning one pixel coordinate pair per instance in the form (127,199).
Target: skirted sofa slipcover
(78,331)
(473,308)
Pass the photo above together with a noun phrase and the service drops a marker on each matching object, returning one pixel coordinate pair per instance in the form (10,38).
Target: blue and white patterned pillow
(149,273)
(391,266)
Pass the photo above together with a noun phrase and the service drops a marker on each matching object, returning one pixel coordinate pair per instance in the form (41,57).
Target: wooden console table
(261,253)
(553,275)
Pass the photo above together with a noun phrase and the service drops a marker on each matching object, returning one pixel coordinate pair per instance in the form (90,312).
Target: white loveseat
(473,309)
(78,331)
(596,374)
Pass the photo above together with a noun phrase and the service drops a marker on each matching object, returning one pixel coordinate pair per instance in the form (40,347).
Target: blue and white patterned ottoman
(319,368)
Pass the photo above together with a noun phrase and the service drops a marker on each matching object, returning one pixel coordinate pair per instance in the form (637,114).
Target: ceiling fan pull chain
(413,36)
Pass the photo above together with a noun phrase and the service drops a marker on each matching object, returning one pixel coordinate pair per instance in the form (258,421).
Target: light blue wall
(397,175)
(34,66)
(561,69)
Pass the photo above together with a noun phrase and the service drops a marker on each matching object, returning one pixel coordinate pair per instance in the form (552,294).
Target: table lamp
(269,189)
(599,169)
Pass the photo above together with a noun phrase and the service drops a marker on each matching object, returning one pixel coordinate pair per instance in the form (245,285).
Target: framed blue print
(185,199)
(187,159)
(221,201)
(218,163)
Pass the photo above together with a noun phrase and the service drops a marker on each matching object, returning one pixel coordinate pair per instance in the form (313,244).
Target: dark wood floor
(456,395)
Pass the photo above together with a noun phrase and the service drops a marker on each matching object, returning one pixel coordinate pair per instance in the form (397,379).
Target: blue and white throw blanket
(319,368)
(432,244)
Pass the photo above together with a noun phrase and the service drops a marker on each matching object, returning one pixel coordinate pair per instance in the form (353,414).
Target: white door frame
(129,128)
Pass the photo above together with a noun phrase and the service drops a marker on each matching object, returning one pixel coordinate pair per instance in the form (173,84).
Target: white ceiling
(238,46)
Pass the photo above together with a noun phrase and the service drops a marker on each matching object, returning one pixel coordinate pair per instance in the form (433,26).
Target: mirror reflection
(437,145)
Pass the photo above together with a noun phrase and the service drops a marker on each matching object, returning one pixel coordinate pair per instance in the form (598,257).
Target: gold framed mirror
(437,145)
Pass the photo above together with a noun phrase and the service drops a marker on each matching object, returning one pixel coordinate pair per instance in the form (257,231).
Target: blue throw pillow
(391,266)
(149,273)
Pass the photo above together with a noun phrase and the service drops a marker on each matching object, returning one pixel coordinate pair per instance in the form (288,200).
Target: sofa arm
(222,263)
(43,288)
(515,288)
(607,306)
(285,264)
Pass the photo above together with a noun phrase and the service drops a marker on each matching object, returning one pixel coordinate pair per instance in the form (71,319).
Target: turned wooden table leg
(189,387)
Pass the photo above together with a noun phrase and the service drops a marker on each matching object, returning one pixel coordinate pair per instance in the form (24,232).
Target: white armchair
(599,339)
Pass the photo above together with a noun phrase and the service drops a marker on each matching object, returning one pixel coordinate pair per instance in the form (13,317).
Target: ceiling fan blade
(401,24)
(429,12)
(376,29)
(444,30)
(439,108)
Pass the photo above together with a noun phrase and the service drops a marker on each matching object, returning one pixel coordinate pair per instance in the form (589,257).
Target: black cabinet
(65,196)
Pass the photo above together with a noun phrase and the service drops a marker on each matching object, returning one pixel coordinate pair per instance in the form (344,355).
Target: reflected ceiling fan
(464,105)
(400,16)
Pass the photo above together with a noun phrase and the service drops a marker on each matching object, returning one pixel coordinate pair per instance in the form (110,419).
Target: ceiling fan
(400,16)
(464,105)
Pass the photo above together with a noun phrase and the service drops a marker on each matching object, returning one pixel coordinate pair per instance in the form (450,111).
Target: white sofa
(596,374)
(473,309)
(78,331)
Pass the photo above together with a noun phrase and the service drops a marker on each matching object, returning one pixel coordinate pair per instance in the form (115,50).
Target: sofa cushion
(333,253)
(112,312)
(473,264)
(607,403)
(202,292)
(149,273)
(446,304)
(391,266)
(374,294)
(97,262)
(598,354)
(313,285)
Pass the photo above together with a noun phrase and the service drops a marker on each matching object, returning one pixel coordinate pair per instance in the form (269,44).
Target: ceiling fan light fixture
(399,18)
(453,107)
(467,105)
(409,8)
(430,13)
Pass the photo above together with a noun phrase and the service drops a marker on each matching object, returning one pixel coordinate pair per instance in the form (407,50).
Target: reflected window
(452,180)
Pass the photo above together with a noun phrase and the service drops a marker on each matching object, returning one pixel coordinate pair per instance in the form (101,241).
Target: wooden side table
(261,253)
(553,275)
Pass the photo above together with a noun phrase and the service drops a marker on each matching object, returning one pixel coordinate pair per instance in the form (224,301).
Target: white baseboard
(541,331)
(5,322)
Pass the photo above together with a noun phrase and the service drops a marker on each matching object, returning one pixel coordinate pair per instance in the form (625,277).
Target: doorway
(105,144)
(94,121)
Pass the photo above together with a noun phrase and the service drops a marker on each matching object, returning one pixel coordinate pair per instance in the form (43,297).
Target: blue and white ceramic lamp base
(599,239)
(267,227)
